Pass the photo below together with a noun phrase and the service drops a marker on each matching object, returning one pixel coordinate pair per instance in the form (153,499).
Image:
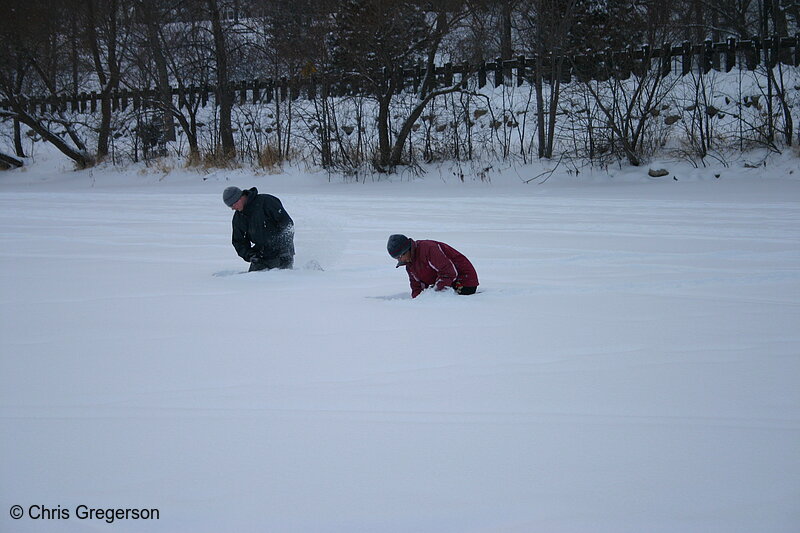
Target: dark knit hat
(231,195)
(398,245)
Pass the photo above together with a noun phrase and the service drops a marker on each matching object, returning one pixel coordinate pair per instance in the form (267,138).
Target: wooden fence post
(686,58)
(269,90)
(625,62)
(666,59)
(448,74)
(583,67)
(784,53)
(730,54)
(770,52)
(705,58)
(752,54)
(641,61)
(601,65)
(716,57)
(520,70)
(256,85)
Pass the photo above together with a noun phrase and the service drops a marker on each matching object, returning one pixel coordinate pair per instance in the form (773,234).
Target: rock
(658,173)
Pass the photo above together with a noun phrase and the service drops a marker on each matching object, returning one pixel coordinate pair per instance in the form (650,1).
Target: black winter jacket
(263,230)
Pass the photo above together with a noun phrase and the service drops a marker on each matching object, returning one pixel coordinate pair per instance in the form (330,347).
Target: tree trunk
(68,125)
(108,80)
(506,51)
(9,161)
(81,158)
(17,90)
(780,25)
(540,109)
(224,97)
(104,132)
(384,144)
(699,21)
(555,94)
(74,56)
(18,140)
(405,130)
(154,42)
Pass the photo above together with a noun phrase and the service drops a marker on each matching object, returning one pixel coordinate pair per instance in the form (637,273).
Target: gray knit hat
(231,195)
(398,245)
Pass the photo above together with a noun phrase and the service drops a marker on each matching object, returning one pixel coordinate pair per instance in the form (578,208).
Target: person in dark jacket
(433,264)
(263,232)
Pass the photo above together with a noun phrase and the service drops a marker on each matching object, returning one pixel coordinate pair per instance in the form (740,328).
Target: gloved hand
(255,257)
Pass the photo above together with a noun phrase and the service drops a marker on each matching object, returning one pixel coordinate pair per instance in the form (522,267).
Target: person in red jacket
(433,264)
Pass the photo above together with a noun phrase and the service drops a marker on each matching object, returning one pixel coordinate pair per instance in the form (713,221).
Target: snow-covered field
(631,364)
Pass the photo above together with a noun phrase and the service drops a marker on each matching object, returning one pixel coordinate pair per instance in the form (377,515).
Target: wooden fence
(601,66)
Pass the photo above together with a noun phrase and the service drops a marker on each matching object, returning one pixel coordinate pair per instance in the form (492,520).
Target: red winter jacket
(440,265)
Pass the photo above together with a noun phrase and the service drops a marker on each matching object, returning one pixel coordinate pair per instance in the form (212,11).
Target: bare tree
(107,33)
(378,38)
(548,24)
(152,15)
(223,91)
(31,62)
(506,45)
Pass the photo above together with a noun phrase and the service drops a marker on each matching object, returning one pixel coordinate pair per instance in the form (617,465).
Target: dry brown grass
(270,158)
(216,158)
